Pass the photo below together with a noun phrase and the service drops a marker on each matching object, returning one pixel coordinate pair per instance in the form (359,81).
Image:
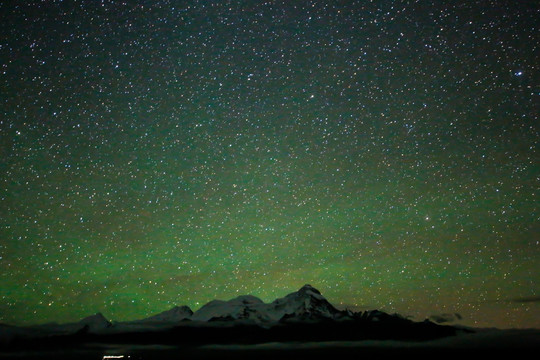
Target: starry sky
(161,153)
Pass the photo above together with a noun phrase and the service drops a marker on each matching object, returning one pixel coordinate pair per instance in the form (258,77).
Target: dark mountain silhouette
(301,316)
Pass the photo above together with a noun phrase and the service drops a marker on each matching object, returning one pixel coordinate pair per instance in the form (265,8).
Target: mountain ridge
(302,315)
(305,303)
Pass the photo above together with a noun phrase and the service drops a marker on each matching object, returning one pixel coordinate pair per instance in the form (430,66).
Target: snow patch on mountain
(95,322)
(242,307)
(176,314)
(304,303)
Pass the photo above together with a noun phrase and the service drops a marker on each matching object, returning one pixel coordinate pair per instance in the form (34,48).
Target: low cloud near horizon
(526,299)
(445,318)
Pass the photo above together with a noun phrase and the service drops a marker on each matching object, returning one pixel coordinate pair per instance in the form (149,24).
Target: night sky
(161,153)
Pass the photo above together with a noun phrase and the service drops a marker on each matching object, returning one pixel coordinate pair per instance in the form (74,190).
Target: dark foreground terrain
(301,325)
(291,341)
(497,343)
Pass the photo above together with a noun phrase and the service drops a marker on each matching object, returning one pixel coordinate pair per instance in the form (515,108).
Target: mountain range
(306,303)
(303,315)
(300,324)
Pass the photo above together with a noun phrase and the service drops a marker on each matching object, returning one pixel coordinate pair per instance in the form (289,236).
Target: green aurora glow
(156,155)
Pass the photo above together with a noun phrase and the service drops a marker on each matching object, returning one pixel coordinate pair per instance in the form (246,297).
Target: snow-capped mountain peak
(309,289)
(177,313)
(307,302)
(245,300)
(241,307)
(95,322)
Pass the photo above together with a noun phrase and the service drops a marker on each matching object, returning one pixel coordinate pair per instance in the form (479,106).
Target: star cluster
(160,153)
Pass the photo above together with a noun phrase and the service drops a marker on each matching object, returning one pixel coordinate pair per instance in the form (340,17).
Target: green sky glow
(159,155)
